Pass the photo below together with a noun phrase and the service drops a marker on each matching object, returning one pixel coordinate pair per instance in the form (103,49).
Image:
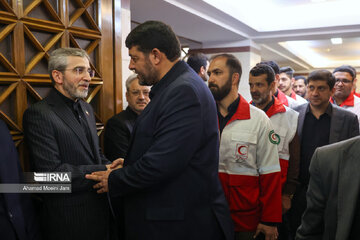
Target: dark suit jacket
(333,192)
(57,143)
(344,124)
(117,134)
(17,216)
(170,180)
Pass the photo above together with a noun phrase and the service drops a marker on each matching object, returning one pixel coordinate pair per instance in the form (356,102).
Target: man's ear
(354,84)
(235,79)
(57,76)
(332,91)
(202,70)
(272,87)
(127,96)
(155,56)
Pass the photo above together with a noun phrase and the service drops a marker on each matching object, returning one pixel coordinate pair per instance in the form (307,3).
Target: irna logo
(52,177)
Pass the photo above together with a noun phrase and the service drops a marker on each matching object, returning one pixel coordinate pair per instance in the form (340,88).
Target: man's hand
(270,232)
(286,203)
(102,178)
(118,163)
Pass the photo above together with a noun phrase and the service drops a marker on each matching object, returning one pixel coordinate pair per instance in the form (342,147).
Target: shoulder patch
(274,138)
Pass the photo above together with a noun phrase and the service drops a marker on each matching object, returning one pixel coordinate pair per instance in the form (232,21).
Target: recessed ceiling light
(336,40)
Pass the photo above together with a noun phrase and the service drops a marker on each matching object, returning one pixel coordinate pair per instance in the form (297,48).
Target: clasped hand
(102,176)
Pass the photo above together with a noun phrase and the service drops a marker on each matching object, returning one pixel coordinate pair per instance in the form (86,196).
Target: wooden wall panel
(30,30)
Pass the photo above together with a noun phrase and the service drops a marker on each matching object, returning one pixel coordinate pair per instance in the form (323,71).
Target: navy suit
(17,218)
(169,182)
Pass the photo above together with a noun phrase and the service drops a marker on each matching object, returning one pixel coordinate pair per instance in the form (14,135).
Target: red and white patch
(241,151)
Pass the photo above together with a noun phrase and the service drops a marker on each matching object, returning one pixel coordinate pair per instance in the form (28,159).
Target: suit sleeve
(312,221)
(294,167)
(176,137)
(43,146)
(270,175)
(116,139)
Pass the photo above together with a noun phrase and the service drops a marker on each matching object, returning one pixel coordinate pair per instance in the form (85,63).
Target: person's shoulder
(39,106)
(119,118)
(345,145)
(301,107)
(257,113)
(300,99)
(342,112)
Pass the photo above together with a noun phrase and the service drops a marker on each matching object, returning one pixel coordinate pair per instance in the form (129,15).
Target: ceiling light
(317,1)
(336,40)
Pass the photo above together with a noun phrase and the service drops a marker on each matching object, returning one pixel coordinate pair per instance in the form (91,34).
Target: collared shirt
(231,111)
(79,115)
(69,102)
(316,133)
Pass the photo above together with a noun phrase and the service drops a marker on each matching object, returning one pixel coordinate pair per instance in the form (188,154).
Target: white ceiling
(264,24)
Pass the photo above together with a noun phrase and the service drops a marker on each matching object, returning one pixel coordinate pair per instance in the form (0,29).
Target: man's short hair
(273,65)
(154,34)
(196,61)
(58,59)
(288,71)
(129,80)
(301,77)
(322,75)
(346,68)
(261,69)
(232,63)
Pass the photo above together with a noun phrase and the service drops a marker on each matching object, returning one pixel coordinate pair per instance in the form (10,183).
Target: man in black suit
(169,182)
(17,216)
(119,128)
(333,198)
(61,135)
(320,123)
(200,64)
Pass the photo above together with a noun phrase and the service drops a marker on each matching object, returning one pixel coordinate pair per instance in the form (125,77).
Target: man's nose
(141,95)
(131,65)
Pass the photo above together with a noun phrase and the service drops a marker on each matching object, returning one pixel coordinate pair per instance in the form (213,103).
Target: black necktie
(81,118)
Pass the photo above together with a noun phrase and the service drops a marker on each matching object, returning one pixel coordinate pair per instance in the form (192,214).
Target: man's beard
(149,78)
(220,93)
(260,100)
(73,91)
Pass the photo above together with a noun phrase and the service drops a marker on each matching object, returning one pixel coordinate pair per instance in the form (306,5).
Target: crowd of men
(189,160)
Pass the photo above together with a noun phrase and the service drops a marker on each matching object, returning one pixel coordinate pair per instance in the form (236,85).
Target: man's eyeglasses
(137,93)
(344,81)
(83,70)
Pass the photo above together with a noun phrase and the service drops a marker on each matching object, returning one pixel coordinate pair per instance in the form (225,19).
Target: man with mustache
(320,123)
(119,128)
(61,135)
(283,98)
(284,120)
(299,86)
(169,184)
(345,81)
(249,167)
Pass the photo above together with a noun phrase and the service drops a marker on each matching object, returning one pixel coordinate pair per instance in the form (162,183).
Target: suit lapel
(67,116)
(90,122)
(335,126)
(302,112)
(348,190)
(138,120)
